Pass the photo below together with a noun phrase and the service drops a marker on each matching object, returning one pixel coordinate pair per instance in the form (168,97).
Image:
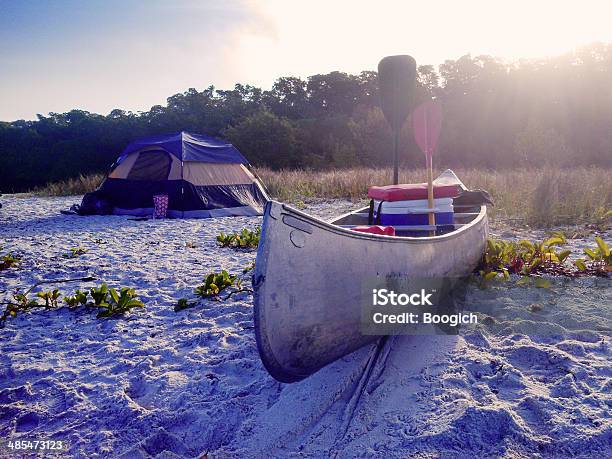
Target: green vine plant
(50,297)
(8,261)
(78,299)
(250,267)
(20,303)
(99,295)
(119,302)
(526,258)
(599,258)
(75,252)
(214,285)
(245,239)
(110,302)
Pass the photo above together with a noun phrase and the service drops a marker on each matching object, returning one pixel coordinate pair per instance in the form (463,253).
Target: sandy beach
(534,382)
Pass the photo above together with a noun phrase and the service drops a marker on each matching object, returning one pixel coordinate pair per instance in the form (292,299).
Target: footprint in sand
(27,422)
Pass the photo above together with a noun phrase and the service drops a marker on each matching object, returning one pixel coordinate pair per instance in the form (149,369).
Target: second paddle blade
(426,123)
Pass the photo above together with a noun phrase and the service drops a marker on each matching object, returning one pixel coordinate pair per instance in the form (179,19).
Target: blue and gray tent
(203,177)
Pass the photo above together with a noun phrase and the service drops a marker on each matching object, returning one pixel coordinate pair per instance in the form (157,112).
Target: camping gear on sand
(308,275)
(201,176)
(375,229)
(160,203)
(92,203)
(411,191)
(411,212)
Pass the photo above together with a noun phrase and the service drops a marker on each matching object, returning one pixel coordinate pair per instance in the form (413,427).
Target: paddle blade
(397,82)
(426,124)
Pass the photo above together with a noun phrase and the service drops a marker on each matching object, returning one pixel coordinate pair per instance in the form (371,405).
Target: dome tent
(203,177)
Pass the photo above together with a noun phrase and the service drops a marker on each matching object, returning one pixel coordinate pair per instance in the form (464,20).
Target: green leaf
(603,247)
(114,295)
(135,304)
(563,255)
(534,264)
(523,281)
(580,264)
(490,276)
(542,283)
(591,253)
(553,241)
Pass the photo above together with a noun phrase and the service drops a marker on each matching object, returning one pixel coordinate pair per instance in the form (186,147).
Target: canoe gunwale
(329,226)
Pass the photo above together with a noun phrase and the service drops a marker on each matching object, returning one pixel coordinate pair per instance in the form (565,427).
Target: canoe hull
(308,277)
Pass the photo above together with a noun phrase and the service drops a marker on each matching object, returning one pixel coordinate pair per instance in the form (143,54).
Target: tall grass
(535,196)
(75,185)
(539,197)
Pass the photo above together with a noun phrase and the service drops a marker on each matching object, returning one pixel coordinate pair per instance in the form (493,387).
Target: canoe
(308,275)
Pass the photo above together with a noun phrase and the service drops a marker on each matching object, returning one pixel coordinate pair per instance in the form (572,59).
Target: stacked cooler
(411,213)
(406,207)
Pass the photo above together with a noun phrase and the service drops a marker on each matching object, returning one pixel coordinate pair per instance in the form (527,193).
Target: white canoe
(308,276)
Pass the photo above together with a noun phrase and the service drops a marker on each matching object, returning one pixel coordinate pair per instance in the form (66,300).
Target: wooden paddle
(396,82)
(426,123)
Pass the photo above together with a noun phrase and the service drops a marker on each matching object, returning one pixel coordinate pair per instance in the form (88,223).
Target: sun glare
(353,35)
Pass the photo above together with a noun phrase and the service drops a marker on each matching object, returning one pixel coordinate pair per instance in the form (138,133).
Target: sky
(132,54)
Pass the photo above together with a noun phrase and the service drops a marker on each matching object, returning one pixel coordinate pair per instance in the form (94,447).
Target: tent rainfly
(202,177)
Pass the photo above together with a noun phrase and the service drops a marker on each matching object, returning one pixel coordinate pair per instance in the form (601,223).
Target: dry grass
(539,196)
(76,185)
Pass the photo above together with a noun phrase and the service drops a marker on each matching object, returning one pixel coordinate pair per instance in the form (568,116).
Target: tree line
(497,115)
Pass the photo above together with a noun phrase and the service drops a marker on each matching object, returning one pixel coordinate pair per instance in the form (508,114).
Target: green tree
(267,140)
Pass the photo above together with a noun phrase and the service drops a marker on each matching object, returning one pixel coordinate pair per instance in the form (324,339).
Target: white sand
(166,384)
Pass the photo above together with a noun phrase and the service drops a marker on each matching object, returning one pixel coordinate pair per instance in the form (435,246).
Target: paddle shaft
(430,192)
(429,165)
(396,139)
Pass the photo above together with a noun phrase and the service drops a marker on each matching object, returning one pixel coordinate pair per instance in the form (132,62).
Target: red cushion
(376,229)
(410,191)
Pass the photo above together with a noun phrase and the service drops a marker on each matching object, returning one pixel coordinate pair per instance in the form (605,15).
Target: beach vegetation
(9,260)
(249,267)
(109,302)
(50,297)
(599,257)
(183,303)
(534,258)
(245,239)
(75,252)
(99,295)
(215,283)
(20,303)
(78,299)
(119,302)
